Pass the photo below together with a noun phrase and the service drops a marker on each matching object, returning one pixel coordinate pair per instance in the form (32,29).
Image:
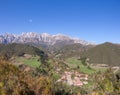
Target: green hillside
(75,63)
(106,53)
(18,50)
(32,62)
(71,50)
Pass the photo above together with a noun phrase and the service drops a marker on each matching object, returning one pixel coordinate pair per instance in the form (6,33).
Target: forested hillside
(106,53)
(18,50)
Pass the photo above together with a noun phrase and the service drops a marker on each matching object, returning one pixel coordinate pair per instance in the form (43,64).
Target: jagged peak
(45,34)
(29,33)
(34,37)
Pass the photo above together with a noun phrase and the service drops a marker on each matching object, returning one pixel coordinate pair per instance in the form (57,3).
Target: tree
(83,60)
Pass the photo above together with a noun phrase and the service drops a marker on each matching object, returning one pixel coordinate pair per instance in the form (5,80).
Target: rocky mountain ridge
(44,38)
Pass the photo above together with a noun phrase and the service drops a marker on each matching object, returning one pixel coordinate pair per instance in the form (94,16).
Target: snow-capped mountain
(44,38)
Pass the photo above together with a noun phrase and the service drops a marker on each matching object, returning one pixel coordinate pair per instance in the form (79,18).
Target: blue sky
(91,20)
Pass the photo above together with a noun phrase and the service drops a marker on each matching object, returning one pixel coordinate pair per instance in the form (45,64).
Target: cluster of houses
(74,78)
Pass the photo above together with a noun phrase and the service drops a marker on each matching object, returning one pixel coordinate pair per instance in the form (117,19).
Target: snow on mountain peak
(32,37)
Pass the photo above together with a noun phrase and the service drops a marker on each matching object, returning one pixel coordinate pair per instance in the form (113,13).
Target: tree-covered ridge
(18,50)
(107,53)
(70,50)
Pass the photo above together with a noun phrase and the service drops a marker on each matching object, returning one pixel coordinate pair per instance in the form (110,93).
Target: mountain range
(44,38)
(63,46)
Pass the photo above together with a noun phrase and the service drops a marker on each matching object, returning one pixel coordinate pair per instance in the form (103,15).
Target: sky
(91,20)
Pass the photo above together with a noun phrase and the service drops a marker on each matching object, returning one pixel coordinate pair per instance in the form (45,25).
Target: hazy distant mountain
(106,53)
(43,38)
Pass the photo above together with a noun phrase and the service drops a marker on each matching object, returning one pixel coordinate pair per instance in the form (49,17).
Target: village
(74,78)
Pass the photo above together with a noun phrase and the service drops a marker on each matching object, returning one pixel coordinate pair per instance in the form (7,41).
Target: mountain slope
(71,50)
(18,50)
(106,53)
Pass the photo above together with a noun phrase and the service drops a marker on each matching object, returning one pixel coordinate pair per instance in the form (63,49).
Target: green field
(33,62)
(102,69)
(74,63)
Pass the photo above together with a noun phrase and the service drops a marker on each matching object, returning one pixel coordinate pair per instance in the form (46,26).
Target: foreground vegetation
(13,81)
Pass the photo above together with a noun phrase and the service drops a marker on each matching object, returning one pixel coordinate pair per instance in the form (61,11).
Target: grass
(74,63)
(86,70)
(97,68)
(56,76)
(33,62)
